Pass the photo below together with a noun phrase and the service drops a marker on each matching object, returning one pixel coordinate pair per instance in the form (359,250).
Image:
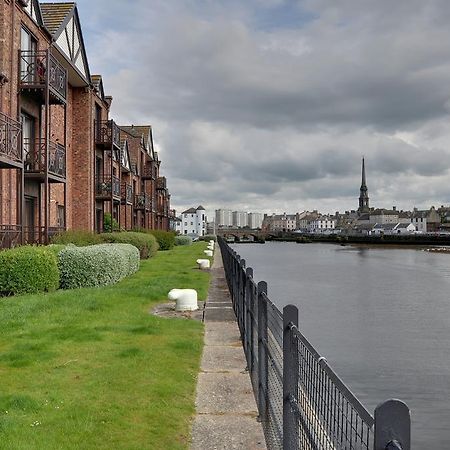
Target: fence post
(247,317)
(290,378)
(263,361)
(392,426)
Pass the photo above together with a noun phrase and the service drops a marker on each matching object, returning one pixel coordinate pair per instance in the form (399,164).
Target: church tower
(363,195)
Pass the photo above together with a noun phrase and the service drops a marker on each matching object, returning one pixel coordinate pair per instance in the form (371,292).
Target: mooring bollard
(186,299)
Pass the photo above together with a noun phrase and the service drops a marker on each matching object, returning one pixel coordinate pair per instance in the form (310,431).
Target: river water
(381,317)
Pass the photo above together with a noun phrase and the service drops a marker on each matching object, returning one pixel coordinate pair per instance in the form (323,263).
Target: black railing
(33,72)
(302,402)
(34,151)
(126,193)
(142,202)
(104,184)
(10,139)
(10,235)
(148,172)
(161,183)
(107,135)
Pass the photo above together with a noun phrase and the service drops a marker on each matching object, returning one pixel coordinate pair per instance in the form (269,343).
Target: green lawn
(93,369)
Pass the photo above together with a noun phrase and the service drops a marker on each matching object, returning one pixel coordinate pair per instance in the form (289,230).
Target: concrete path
(226,409)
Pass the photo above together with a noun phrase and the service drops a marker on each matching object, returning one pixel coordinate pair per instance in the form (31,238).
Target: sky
(269,105)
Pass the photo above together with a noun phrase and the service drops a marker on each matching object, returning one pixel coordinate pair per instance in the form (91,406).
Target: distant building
(240,219)
(279,222)
(322,224)
(426,221)
(192,222)
(384,216)
(224,218)
(255,220)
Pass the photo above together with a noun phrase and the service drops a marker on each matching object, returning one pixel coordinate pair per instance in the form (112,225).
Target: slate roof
(403,225)
(386,212)
(53,14)
(137,130)
(189,211)
(384,226)
(200,208)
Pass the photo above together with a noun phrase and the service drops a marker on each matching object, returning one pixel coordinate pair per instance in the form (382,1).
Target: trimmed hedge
(145,242)
(28,269)
(79,238)
(183,240)
(165,239)
(97,265)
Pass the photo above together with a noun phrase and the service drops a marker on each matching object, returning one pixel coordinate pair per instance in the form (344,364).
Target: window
(60,213)
(28,61)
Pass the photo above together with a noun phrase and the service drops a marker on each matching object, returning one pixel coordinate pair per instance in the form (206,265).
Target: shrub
(208,237)
(165,239)
(80,238)
(145,242)
(28,269)
(183,240)
(55,248)
(109,223)
(97,265)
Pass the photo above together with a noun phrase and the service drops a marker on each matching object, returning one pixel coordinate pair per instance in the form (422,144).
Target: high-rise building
(224,218)
(255,220)
(240,219)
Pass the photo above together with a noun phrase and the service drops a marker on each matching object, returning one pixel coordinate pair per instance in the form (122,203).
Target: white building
(224,218)
(192,222)
(240,219)
(255,220)
(322,224)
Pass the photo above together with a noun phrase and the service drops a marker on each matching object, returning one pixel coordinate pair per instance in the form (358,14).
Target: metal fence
(302,402)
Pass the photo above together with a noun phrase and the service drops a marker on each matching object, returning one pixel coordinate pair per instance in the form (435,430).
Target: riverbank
(92,368)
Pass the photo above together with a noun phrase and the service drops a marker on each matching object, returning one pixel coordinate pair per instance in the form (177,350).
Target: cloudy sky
(269,105)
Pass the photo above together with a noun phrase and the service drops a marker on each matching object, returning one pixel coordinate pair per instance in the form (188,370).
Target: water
(380,316)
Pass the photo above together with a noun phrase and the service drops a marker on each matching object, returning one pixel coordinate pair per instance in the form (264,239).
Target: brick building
(64,163)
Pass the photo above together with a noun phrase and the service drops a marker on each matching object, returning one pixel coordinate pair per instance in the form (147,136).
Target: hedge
(28,269)
(183,240)
(165,239)
(96,265)
(77,237)
(145,242)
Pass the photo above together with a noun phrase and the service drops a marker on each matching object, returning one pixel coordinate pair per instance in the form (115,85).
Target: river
(381,317)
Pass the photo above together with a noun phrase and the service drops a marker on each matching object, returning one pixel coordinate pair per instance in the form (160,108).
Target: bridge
(242,234)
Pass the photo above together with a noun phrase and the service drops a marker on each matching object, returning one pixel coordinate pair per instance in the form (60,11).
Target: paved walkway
(226,408)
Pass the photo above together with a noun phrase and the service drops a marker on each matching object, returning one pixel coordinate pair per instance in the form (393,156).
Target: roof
(386,212)
(384,226)
(200,207)
(137,130)
(53,14)
(364,217)
(189,211)
(404,225)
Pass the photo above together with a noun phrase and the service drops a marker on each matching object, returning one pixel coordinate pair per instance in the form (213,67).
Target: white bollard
(186,299)
(203,263)
(212,241)
(208,252)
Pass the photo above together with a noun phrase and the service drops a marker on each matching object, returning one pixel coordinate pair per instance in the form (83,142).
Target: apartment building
(224,218)
(64,162)
(240,219)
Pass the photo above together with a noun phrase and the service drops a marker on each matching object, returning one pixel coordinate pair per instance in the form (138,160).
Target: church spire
(363,191)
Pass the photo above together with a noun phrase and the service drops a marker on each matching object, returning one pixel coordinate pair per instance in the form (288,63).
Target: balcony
(103,186)
(126,194)
(10,142)
(161,183)
(149,172)
(11,235)
(34,164)
(107,135)
(39,70)
(142,202)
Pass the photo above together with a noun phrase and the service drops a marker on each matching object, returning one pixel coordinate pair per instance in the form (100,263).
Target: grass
(92,368)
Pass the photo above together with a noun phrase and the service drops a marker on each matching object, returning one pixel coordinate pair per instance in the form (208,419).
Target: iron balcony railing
(105,183)
(33,72)
(11,235)
(142,202)
(34,151)
(302,402)
(161,183)
(149,172)
(10,139)
(126,193)
(134,169)
(107,135)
